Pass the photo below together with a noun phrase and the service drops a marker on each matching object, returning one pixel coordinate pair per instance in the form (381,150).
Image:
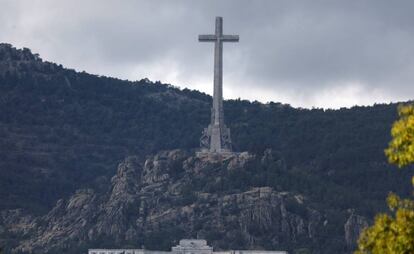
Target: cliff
(173,195)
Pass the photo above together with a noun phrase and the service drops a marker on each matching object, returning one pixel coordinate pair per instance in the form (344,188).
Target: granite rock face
(179,194)
(353,227)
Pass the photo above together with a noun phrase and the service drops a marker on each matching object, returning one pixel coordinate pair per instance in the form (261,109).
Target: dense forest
(61,130)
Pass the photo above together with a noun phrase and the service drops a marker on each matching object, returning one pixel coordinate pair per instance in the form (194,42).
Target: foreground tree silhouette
(393,233)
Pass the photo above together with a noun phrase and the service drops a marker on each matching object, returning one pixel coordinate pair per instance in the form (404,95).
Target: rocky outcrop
(171,190)
(67,221)
(174,191)
(353,227)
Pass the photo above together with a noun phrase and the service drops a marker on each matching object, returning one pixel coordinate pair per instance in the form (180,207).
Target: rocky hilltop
(172,195)
(313,179)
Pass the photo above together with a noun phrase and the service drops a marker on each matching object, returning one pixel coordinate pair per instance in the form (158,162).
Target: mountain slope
(177,195)
(62,131)
(174,195)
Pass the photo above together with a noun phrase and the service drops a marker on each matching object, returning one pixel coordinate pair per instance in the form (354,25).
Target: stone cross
(216,138)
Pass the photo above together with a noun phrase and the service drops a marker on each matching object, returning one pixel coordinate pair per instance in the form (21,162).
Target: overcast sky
(306,53)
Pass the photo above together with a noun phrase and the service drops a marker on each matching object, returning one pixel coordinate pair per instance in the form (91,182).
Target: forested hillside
(61,130)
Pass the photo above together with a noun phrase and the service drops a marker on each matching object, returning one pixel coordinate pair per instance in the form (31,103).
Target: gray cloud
(306,53)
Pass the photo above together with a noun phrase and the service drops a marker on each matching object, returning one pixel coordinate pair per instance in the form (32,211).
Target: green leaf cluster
(401,147)
(391,233)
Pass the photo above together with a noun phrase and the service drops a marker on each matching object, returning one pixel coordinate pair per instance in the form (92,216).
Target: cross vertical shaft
(216,138)
(218,72)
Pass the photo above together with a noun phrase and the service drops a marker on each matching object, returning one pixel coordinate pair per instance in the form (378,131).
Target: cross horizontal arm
(230,38)
(207,37)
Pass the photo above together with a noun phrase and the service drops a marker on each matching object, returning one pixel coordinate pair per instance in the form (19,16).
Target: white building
(186,246)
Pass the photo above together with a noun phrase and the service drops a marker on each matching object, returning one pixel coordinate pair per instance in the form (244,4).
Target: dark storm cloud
(307,53)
